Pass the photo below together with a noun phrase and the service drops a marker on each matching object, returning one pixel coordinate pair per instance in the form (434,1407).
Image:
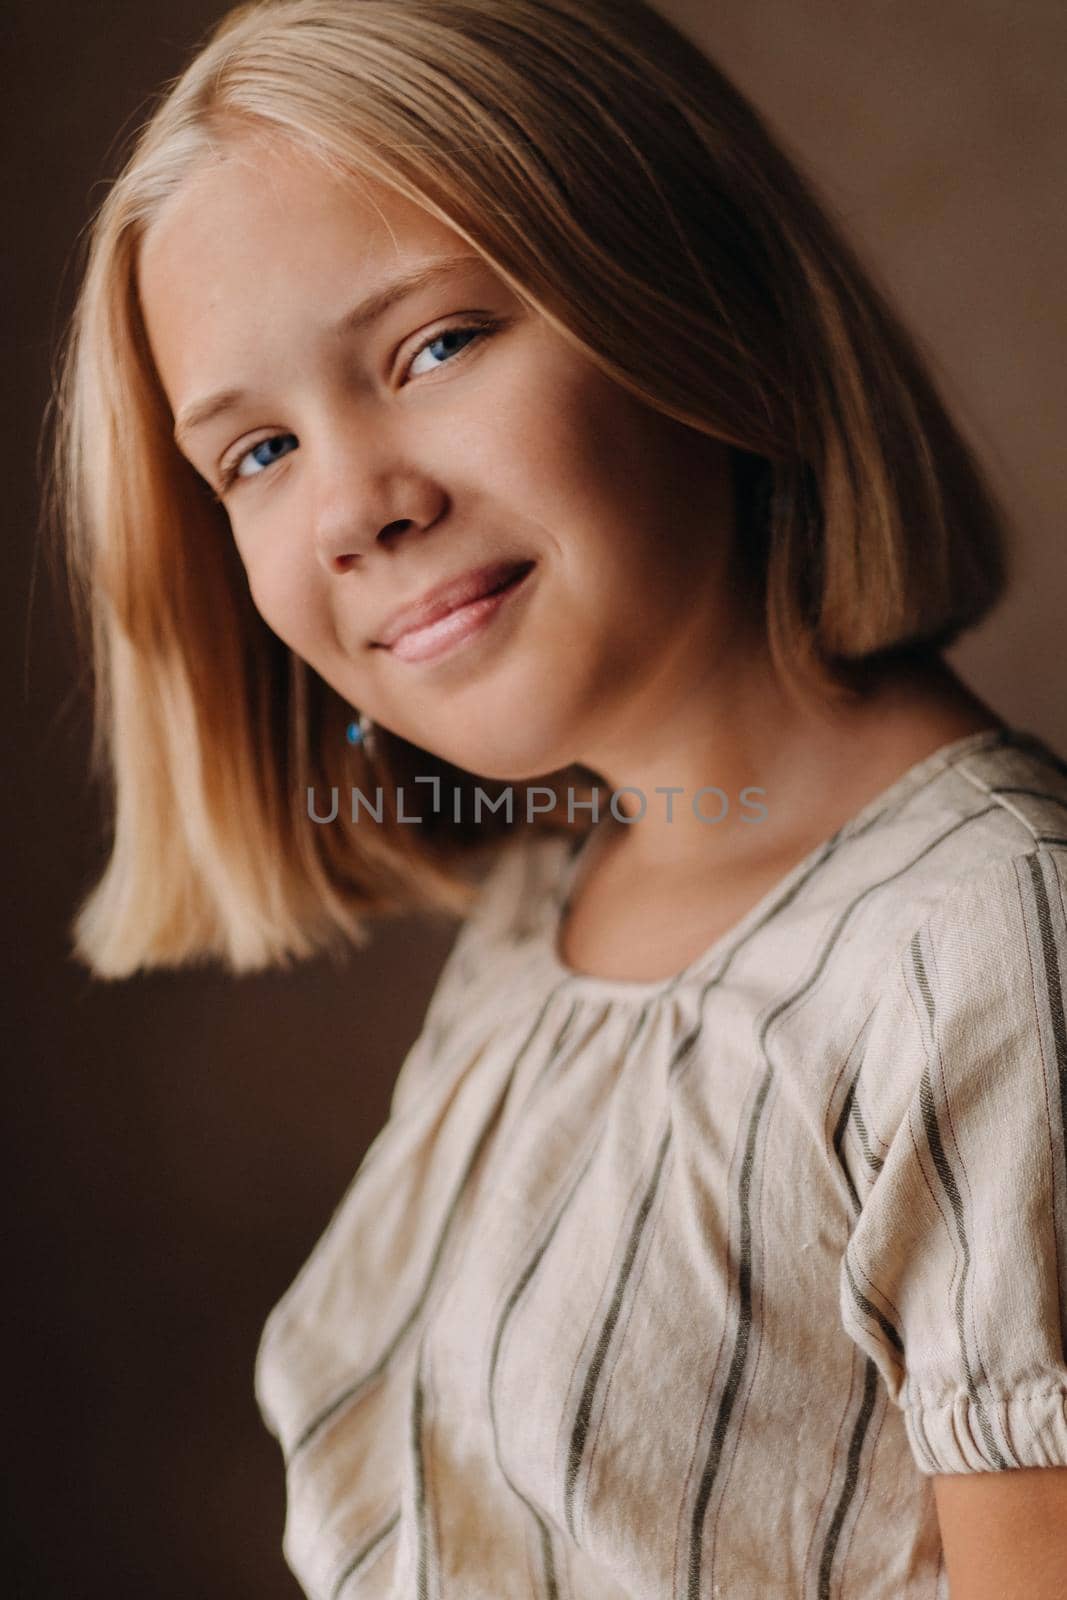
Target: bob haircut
(630,195)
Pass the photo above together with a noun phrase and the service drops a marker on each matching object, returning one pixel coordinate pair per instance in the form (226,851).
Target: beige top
(680,1289)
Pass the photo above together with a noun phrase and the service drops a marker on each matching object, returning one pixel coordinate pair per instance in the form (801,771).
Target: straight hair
(630,195)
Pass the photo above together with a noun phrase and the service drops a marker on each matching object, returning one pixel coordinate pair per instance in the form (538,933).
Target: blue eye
(446,339)
(453,342)
(270,453)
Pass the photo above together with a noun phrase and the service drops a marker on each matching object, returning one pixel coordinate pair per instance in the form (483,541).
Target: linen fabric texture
(680,1289)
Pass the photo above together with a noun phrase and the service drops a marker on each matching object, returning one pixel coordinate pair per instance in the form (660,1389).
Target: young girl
(494,487)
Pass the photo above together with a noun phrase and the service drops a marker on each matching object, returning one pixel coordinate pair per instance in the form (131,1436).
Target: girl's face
(365,460)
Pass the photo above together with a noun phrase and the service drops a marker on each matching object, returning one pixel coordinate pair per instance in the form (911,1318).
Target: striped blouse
(679,1289)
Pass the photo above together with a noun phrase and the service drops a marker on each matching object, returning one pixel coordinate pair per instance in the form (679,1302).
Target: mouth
(453,612)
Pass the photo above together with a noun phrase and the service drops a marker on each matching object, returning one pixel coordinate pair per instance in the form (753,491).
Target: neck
(775,771)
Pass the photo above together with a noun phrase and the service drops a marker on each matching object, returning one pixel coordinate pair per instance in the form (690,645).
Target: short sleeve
(954,1278)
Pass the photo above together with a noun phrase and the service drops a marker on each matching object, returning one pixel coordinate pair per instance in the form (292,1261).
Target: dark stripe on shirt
(422,1540)
(518,1290)
(848,1489)
(948,1183)
(744,1267)
(362,1558)
(1054,986)
(357,1387)
(580,1428)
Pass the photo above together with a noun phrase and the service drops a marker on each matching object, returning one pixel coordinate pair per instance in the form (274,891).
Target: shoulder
(993,943)
(975,987)
(1008,796)
(952,844)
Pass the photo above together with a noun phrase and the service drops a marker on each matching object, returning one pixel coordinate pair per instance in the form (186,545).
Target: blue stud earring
(362,732)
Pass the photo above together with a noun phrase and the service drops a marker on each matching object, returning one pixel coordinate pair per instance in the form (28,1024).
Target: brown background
(179,1142)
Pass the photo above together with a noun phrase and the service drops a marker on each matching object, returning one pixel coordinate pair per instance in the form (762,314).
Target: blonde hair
(630,195)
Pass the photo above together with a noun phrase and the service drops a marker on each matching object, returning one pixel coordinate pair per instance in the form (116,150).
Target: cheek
(542,435)
(590,458)
(284,598)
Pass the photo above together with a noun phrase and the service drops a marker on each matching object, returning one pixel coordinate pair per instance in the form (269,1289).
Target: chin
(506,765)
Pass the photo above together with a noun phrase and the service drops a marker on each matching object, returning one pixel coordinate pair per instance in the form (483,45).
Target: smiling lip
(448,598)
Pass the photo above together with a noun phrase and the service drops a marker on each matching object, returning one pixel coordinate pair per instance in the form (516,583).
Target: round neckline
(642,990)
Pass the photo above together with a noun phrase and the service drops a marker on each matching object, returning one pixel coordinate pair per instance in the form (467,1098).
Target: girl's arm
(1004,1533)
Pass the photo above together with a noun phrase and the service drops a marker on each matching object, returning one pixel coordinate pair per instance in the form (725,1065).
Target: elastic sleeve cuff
(988,1434)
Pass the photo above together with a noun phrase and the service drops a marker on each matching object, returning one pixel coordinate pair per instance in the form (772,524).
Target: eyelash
(485,325)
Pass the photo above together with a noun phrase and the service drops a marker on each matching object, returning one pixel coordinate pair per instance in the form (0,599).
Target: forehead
(260,230)
(258,182)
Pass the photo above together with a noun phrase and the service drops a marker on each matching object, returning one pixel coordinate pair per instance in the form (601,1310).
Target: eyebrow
(368,310)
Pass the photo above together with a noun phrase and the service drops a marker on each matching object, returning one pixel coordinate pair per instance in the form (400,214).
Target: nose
(360,507)
(340,549)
